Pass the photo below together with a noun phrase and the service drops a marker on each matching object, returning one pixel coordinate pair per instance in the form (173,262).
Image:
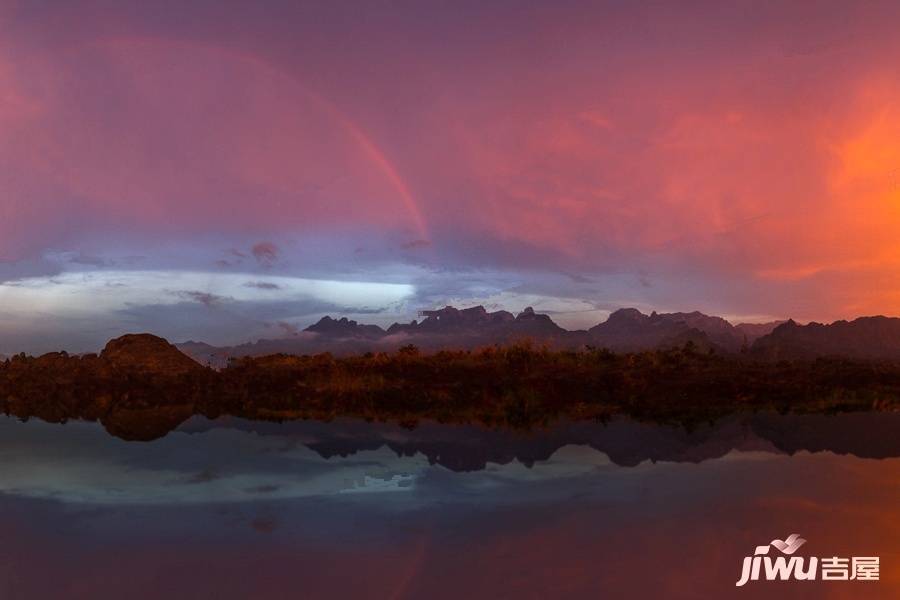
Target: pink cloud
(691,144)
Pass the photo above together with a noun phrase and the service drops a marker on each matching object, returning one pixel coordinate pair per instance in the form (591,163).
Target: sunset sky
(225,171)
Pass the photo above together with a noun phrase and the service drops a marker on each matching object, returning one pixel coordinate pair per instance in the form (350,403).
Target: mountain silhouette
(451,328)
(344,327)
(863,338)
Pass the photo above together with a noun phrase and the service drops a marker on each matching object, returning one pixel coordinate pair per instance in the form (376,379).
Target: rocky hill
(148,353)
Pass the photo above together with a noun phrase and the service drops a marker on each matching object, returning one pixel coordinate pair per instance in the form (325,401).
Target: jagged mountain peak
(626,329)
(343,327)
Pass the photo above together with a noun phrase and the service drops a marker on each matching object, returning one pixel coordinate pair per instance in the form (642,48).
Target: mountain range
(870,338)
(625,330)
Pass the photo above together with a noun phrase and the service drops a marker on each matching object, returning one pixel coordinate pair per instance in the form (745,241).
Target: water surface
(238,509)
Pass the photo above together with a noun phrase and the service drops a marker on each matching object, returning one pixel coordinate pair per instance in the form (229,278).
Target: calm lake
(237,509)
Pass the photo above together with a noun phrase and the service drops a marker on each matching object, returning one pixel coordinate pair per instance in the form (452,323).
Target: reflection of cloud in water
(396,483)
(79,463)
(239,462)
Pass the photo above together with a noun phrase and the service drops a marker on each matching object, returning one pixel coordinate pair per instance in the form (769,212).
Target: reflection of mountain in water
(626,442)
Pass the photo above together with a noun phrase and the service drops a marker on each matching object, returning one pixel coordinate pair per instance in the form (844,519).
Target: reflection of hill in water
(626,442)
